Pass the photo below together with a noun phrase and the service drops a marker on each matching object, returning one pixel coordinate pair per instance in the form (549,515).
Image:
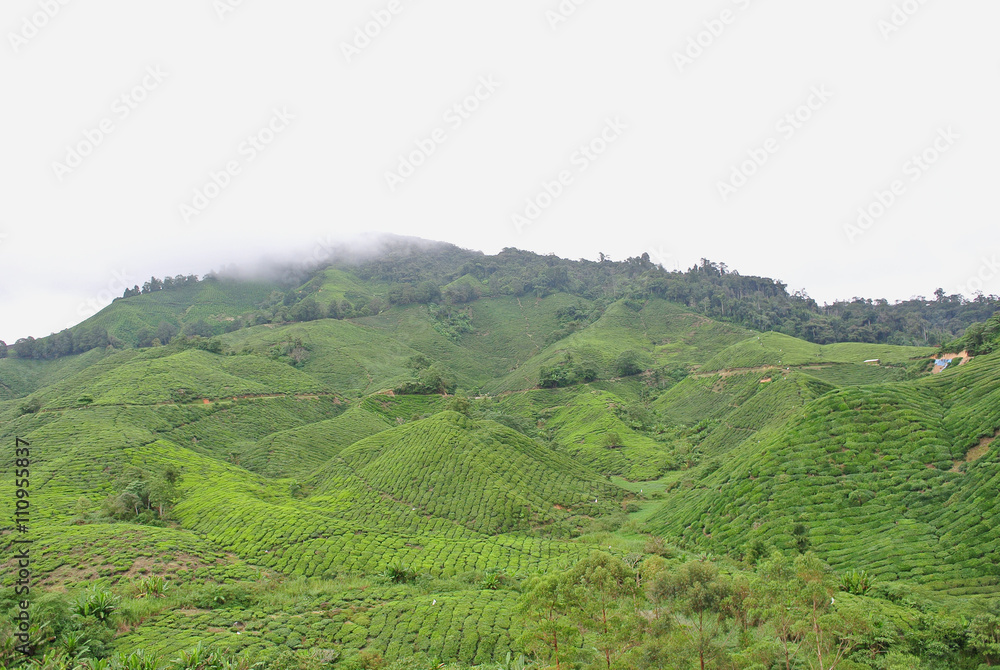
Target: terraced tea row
(869,472)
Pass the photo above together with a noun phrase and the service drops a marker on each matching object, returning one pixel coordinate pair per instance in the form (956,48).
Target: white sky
(65,242)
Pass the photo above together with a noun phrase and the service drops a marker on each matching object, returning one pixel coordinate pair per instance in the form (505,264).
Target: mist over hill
(368,274)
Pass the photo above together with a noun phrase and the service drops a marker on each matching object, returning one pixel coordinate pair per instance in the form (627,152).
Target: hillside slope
(877,474)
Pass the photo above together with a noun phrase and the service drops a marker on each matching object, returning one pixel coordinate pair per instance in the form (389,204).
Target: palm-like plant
(98,604)
(137,660)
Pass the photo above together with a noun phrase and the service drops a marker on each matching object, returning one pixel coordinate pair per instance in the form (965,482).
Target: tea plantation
(434,461)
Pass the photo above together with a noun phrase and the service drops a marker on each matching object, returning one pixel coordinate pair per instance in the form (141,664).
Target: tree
(165,332)
(697,592)
(24,348)
(607,594)
(801,534)
(307,310)
(427,292)
(3,349)
(832,635)
(461,405)
(402,294)
(144,338)
(197,329)
(549,632)
(62,344)
(162,495)
(434,380)
(152,285)
(984,636)
(629,362)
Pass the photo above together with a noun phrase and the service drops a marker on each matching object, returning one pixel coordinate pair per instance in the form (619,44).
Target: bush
(397,573)
(611,440)
(630,362)
(97,604)
(856,582)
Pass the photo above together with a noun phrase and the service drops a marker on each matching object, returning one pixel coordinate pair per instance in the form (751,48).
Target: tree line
(444,275)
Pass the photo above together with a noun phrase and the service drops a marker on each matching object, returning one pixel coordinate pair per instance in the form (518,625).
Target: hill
(889,478)
(480,474)
(427,455)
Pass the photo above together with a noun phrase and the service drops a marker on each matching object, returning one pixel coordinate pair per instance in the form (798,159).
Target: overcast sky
(149,138)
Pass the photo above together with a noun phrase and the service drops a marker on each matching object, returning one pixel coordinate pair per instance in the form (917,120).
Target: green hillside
(775,349)
(300,452)
(481,475)
(424,456)
(878,475)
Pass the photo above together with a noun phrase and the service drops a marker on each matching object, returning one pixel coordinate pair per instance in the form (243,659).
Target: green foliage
(630,362)
(611,440)
(567,372)
(984,637)
(397,573)
(856,582)
(99,604)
